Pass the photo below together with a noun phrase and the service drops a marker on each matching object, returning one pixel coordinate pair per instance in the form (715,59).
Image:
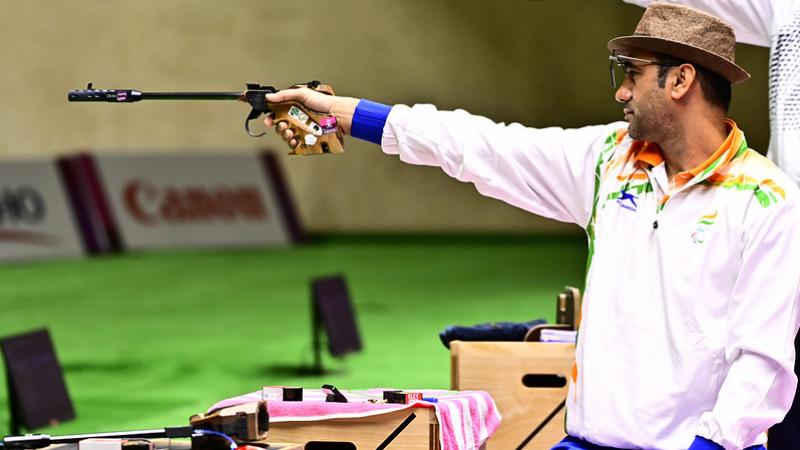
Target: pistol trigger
(254,114)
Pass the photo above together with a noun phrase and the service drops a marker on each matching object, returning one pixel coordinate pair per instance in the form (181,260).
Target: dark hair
(716,89)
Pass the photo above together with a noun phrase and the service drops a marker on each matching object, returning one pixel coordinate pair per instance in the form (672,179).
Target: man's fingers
(288,135)
(309,98)
(269,122)
(313,100)
(298,94)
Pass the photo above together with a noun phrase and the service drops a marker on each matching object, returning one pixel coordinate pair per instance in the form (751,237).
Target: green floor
(148,339)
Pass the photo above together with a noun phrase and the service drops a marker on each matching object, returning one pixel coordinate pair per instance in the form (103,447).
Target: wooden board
(365,433)
(498,368)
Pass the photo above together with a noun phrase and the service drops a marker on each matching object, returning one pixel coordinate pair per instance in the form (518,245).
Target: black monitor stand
(332,313)
(37,393)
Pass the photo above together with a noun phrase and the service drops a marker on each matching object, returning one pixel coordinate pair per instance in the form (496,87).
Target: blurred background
(540,63)
(148,338)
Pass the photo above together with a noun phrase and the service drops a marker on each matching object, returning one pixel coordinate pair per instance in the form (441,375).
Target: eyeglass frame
(622,60)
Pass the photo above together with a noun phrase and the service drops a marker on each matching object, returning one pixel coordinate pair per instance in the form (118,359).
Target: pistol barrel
(192,95)
(132,95)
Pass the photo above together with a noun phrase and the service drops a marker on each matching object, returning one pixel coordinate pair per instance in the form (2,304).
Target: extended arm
(550,172)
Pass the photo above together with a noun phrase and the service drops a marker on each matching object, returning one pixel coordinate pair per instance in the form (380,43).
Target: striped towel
(466,418)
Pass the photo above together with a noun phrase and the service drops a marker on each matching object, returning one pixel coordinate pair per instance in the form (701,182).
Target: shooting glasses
(624,63)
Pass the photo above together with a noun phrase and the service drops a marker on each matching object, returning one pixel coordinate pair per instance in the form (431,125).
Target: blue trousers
(572,443)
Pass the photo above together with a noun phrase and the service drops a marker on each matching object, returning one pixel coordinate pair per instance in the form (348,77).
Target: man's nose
(623,94)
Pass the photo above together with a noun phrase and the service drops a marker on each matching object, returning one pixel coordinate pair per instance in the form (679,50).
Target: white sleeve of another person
(751,20)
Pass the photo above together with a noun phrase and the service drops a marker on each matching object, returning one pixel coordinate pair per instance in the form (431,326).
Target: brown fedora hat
(687,34)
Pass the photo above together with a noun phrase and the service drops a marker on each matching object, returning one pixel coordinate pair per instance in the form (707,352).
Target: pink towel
(466,418)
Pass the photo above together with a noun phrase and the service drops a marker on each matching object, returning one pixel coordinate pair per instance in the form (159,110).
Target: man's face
(646,105)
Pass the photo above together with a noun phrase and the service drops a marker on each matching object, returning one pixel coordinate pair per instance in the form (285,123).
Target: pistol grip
(316,133)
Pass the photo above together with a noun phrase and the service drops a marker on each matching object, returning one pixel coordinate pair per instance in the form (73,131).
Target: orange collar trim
(651,153)
(647,152)
(730,144)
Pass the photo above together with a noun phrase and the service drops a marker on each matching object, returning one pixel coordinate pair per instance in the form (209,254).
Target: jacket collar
(650,154)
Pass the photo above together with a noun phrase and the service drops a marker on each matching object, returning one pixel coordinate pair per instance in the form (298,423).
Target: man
(691,302)
(774,24)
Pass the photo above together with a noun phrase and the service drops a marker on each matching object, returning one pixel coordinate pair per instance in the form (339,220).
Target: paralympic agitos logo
(150,204)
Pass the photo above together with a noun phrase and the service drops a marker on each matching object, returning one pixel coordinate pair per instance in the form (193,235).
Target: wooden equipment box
(503,369)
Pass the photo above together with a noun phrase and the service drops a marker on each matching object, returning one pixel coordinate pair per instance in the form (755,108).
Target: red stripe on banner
(28,237)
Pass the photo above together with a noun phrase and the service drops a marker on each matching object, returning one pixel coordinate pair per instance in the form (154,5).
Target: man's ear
(682,80)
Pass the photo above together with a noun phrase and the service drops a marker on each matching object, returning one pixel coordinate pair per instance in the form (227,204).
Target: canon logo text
(151,204)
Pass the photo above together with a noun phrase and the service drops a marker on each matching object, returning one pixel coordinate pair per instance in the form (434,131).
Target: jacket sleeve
(550,172)
(751,19)
(762,322)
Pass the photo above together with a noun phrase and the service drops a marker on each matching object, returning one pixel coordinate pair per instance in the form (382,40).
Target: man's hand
(340,107)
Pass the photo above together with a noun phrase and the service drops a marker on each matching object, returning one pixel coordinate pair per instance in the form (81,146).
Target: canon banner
(36,219)
(193,200)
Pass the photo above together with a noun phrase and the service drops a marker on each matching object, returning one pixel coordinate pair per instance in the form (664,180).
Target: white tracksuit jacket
(691,302)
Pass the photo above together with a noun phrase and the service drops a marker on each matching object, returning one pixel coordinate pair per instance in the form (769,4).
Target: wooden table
(366,433)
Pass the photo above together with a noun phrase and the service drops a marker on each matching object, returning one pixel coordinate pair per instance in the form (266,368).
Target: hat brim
(679,50)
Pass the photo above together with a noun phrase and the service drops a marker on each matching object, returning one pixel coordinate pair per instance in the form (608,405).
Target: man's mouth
(627,111)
